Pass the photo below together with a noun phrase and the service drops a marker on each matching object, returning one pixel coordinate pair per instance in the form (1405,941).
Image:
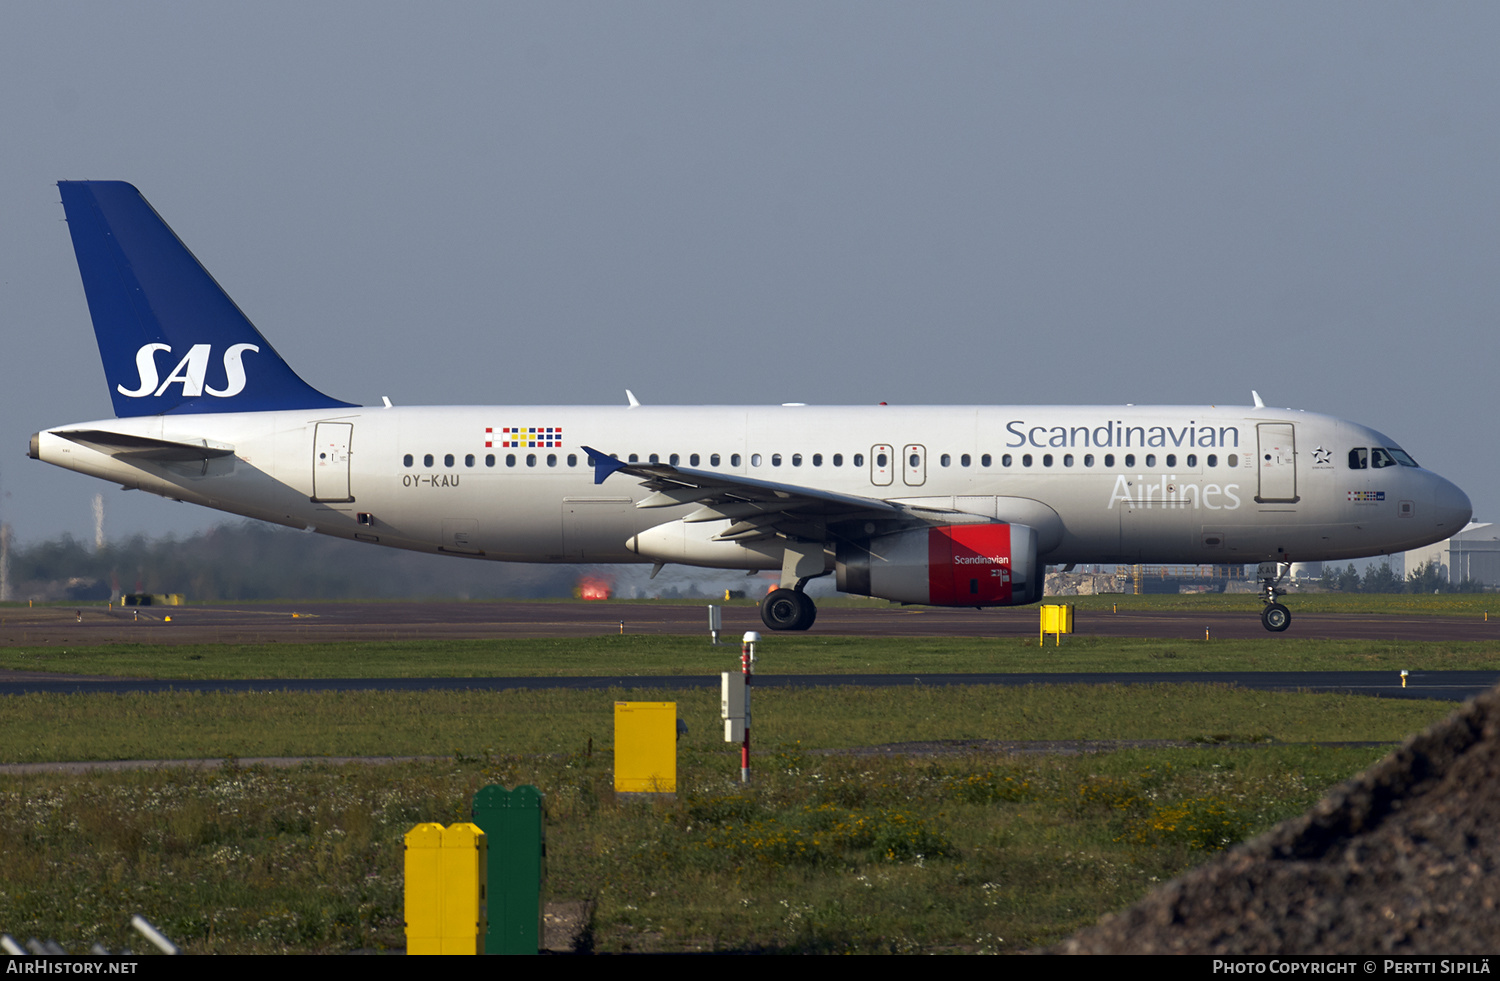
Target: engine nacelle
(693,544)
(948,565)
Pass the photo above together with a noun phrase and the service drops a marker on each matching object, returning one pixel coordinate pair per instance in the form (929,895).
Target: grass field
(830,848)
(824,851)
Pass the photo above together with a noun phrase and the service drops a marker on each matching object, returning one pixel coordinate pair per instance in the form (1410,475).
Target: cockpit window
(1380,457)
(1402,457)
(1359,458)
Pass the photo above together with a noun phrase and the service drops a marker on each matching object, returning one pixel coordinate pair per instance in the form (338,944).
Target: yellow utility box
(445,889)
(1056,620)
(646,747)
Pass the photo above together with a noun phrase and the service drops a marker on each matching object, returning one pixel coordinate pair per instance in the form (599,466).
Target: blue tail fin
(171,339)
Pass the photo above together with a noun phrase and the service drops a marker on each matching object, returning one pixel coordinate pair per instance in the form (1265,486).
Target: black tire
(781,609)
(787,609)
(809,612)
(1276,618)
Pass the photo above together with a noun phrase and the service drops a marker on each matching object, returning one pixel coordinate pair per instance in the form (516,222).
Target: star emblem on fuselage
(1321,455)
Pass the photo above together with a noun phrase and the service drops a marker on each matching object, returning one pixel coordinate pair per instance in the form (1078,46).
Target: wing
(761,509)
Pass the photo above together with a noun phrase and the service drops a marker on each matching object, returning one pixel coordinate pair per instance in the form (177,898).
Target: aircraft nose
(1451,507)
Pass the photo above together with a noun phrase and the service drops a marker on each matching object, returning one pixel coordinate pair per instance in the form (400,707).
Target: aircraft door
(331,441)
(914,464)
(1278,463)
(882,465)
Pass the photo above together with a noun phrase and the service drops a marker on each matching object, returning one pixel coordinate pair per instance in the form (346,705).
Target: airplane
(959,505)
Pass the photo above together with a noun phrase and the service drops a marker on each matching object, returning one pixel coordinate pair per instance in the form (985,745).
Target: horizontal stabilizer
(145,447)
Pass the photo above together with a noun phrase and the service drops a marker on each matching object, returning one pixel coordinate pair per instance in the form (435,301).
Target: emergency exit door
(331,461)
(1278,463)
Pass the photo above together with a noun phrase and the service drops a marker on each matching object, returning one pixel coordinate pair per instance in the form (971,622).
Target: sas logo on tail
(190,372)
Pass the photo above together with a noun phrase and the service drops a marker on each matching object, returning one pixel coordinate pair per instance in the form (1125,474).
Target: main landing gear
(1274,617)
(788,609)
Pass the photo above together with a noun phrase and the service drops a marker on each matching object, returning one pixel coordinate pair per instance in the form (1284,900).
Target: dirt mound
(1401,859)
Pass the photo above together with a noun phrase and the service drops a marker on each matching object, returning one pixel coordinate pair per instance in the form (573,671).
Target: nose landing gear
(1274,617)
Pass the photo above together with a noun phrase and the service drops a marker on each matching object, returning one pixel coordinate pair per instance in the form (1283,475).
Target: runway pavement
(1453,686)
(324,622)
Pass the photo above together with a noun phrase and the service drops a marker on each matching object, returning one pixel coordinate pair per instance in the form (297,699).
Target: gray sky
(518,203)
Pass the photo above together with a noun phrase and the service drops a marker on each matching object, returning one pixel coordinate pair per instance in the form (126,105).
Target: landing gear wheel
(1276,617)
(787,609)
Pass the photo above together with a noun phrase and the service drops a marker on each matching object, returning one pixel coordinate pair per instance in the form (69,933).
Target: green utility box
(514,821)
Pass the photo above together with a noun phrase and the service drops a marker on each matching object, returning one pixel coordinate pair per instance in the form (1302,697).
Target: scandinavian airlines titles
(1116,434)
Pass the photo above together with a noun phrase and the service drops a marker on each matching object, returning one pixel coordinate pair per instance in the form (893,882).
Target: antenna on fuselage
(1256,396)
(630,397)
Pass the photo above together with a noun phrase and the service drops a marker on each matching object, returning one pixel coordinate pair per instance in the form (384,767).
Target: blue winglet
(604,464)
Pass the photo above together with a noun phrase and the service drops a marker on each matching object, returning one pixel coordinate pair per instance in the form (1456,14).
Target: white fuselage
(1164,484)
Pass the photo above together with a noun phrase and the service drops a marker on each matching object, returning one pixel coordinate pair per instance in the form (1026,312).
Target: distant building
(1473,553)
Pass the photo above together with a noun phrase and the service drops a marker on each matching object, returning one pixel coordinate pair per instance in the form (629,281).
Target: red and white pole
(747,667)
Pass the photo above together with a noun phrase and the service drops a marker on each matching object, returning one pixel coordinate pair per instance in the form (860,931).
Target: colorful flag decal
(527,437)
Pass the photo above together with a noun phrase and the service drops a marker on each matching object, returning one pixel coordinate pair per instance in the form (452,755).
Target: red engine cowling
(948,565)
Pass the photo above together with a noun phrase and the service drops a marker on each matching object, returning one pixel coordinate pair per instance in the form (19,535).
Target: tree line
(253,560)
(1425,578)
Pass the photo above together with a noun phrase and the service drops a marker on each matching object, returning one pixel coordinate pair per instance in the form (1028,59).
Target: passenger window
(1026,460)
(914,461)
(1232,460)
(407,460)
(1067,459)
(531,459)
(1171,460)
(859,459)
(633,459)
(427,460)
(775,459)
(551,459)
(1192,459)
(817,459)
(754,459)
(489,459)
(1129,459)
(693,460)
(468,459)
(1088,459)
(796,459)
(880,460)
(1213,460)
(945,460)
(963,461)
(1005,460)
(734,460)
(656,458)
(838,459)
(448,459)
(1359,458)
(1109,459)
(673,459)
(1150,460)
(572,459)
(1046,459)
(510,459)
(713,459)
